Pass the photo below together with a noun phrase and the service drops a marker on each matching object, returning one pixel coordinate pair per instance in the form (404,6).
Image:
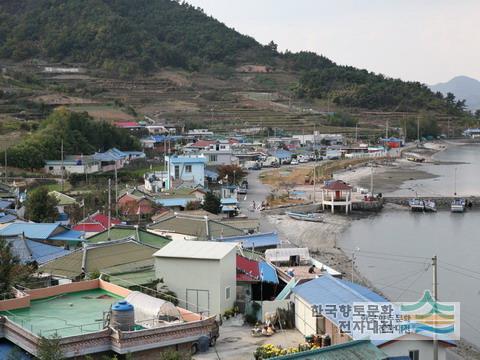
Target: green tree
(12,272)
(211,203)
(233,173)
(40,206)
(50,348)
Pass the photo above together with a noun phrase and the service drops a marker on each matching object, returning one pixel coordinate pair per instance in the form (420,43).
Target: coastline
(322,238)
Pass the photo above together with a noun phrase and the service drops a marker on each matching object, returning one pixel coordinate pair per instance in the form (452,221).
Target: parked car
(294,162)
(245,184)
(242,190)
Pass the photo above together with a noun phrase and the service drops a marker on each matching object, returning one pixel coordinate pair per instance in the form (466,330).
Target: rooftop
(43,231)
(74,313)
(337,185)
(204,250)
(254,240)
(124,231)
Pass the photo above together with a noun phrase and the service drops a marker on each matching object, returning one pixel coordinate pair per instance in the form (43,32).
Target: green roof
(63,199)
(353,350)
(123,232)
(196,226)
(100,257)
(68,314)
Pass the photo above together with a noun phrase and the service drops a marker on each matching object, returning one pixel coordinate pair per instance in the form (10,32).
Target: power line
(387,254)
(385,258)
(460,273)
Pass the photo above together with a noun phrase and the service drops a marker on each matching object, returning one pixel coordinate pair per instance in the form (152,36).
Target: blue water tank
(123,316)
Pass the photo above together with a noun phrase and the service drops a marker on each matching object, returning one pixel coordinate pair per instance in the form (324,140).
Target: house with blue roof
(52,233)
(328,294)
(28,251)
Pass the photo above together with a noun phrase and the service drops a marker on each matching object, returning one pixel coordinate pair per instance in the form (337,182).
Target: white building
(156,181)
(185,168)
(199,133)
(72,165)
(201,273)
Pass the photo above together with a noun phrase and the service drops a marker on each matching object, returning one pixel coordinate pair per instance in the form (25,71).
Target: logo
(432,318)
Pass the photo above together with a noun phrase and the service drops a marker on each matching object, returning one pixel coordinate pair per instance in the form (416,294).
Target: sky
(423,40)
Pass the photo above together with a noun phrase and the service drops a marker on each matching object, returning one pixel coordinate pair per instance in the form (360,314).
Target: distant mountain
(463,87)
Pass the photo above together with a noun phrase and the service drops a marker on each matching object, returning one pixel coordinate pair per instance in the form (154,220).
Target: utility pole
(418,129)
(371,180)
(315,180)
(109,207)
(6,176)
(386,130)
(353,264)
(116,190)
(356,133)
(63,166)
(435,297)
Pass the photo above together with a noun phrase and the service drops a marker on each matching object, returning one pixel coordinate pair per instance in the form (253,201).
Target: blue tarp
(267,273)
(174,201)
(69,235)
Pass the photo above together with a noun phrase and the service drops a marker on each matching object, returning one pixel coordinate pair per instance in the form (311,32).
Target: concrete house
(74,164)
(201,273)
(190,169)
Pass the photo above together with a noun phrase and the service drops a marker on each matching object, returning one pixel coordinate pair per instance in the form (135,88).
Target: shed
(286,254)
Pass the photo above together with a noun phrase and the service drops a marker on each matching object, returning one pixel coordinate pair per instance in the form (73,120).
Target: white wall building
(201,273)
(79,165)
(189,168)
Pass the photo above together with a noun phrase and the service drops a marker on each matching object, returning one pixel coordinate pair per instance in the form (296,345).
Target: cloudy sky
(425,40)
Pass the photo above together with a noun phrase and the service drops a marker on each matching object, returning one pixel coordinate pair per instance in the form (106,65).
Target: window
(227,293)
(414,354)
(213,158)
(50,168)
(177,171)
(188,168)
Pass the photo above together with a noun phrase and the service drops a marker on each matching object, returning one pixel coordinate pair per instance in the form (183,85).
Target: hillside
(463,87)
(174,64)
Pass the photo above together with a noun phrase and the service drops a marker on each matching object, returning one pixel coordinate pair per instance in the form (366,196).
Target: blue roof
(211,174)
(69,235)
(327,290)
(228,201)
(140,154)
(188,160)
(7,348)
(174,201)
(5,204)
(31,230)
(282,154)
(29,250)
(6,218)
(255,240)
(110,155)
(268,273)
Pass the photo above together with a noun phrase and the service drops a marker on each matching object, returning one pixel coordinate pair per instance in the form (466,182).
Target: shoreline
(322,238)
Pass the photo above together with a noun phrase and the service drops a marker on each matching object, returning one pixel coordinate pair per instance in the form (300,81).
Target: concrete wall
(62,289)
(272,306)
(228,278)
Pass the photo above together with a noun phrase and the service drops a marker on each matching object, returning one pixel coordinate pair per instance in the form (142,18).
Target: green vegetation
(121,36)
(40,206)
(50,348)
(211,203)
(80,135)
(12,272)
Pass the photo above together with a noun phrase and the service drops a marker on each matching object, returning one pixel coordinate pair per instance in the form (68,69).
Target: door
(198,301)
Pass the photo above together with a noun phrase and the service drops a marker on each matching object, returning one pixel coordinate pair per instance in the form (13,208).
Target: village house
(50,233)
(332,291)
(201,273)
(72,164)
(186,169)
(96,223)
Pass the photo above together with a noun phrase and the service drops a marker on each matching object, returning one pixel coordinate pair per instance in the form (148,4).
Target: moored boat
(458,205)
(416,204)
(305,217)
(430,206)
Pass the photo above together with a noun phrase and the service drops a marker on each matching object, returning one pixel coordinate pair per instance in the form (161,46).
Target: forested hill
(131,37)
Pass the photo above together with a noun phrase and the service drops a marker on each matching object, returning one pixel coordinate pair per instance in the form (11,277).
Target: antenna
(63,166)
(109,207)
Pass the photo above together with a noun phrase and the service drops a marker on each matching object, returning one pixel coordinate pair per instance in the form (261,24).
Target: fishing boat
(416,204)
(305,217)
(430,206)
(458,205)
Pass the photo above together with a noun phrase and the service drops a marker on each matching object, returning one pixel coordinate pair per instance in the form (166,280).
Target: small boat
(422,205)
(416,205)
(430,206)
(458,205)
(305,217)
